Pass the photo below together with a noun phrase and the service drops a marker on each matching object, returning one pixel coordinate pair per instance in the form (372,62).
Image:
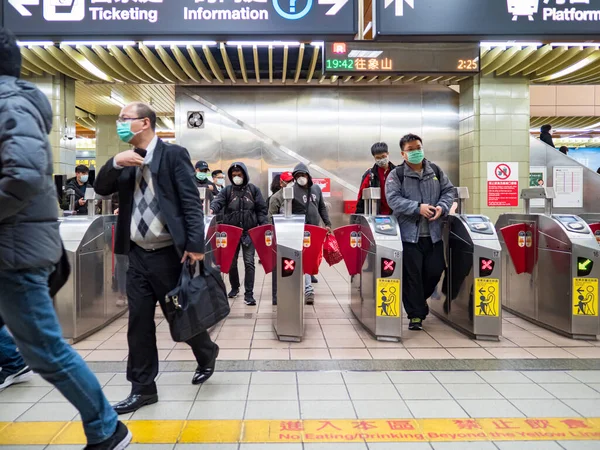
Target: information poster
(568,186)
(538,175)
(503,184)
(324,184)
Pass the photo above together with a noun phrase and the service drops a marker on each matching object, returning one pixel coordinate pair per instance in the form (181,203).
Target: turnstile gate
(551,266)
(468,297)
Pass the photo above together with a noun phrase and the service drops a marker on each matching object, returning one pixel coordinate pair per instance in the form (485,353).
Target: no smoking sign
(503,184)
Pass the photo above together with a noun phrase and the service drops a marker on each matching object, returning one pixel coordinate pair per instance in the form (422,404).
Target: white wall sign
(568,185)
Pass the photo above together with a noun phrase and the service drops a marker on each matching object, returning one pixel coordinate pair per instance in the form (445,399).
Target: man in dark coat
(30,248)
(204,180)
(242,205)
(160,225)
(546,135)
(79,184)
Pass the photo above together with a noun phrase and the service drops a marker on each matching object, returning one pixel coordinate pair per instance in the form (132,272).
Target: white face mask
(238,180)
(382,162)
(220,181)
(302,181)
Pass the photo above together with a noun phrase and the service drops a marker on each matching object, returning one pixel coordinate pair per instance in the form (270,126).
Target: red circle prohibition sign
(502,171)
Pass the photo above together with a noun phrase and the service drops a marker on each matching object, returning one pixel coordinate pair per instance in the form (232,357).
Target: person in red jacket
(375,177)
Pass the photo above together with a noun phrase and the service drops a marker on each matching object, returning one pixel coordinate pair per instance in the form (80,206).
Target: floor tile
(164,411)
(585,352)
(269,354)
(381,409)
(270,447)
(323,392)
(217,410)
(49,412)
(414,377)
(151,447)
(340,409)
(233,343)
(550,353)
(531,445)
(463,446)
(187,355)
(470,353)
(458,377)
(350,353)
(270,378)
(503,377)
(472,391)
(366,378)
(434,409)
(519,391)
(353,446)
(571,391)
(273,392)
(10,411)
(107,355)
(320,378)
(318,354)
(399,446)
(490,408)
(223,392)
(272,410)
(373,392)
(510,353)
(423,392)
(22,394)
(429,353)
(586,376)
(587,408)
(180,393)
(390,353)
(549,376)
(579,445)
(225,355)
(544,408)
(308,343)
(531,342)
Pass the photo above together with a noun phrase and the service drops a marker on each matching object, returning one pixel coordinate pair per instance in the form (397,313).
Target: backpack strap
(435,167)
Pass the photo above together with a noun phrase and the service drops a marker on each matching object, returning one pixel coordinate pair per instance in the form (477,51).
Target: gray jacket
(404,199)
(29,236)
(308,200)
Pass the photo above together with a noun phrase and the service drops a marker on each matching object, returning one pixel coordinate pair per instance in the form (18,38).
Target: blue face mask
(124,131)
(202,176)
(84,178)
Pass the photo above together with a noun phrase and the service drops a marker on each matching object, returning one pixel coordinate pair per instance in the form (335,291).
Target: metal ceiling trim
(537,56)
(37,61)
(199,64)
(214,67)
(499,61)
(584,63)
(65,61)
(589,72)
(286,51)
(299,64)
(491,57)
(185,65)
(270,64)
(227,61)
(580,55)
(550,57)
(52,62)
(81,60)
(313,64)
(98,62)
(240,50)
(173,67)
(143,64)
(347,79)
(124,60)
(562,60)
(28,68)
(521,56)
(256,63)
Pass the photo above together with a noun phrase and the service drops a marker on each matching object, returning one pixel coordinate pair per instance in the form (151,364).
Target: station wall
(332,127)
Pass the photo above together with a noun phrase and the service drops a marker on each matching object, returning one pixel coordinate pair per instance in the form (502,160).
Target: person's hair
(409,138)
(276,183)
(598,171)
(216,172)
(564,149)
(546,128)
(378,148)
(82,169)
(10,54)
(144,110)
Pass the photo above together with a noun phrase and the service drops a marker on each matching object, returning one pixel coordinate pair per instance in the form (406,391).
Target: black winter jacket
(308,200)
(29,236)
(547,138)
(79,194)
(242,206)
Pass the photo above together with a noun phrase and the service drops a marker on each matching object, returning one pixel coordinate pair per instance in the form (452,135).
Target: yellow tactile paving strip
(315,431)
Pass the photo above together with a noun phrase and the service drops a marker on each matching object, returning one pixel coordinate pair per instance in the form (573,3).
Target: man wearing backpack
(419,193)
(243,206)
(375,178)
(308,201)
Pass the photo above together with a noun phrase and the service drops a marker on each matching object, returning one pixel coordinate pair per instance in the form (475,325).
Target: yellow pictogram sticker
(585,297)
(487,297)
(388,297)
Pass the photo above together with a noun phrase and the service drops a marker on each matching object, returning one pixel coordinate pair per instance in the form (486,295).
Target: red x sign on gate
(486,264)
(288,264)
(388,265)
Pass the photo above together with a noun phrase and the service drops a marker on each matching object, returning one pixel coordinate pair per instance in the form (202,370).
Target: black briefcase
(197,303)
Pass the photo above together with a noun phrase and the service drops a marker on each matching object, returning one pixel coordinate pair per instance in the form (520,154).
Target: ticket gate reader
(551,267)
(376,290)
(289,233)
(468,295)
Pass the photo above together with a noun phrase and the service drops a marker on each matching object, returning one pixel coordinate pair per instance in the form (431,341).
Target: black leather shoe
(134,402)
(204,373)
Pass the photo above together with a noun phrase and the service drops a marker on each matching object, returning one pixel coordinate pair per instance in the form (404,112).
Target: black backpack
(436,170)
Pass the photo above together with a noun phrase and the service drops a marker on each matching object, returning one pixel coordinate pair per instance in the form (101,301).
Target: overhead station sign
(173,18)
(481,19)
(380,58)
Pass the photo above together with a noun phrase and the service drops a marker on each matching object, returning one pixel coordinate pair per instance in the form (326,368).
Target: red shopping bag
(331,250)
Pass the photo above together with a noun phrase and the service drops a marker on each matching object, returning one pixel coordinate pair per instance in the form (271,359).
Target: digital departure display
(365,58)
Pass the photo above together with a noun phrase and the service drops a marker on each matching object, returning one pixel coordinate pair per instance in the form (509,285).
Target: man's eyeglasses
(128,119)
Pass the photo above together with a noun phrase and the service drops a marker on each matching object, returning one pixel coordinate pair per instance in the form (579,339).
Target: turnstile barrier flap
(312,249)
(520,243)
(595,227)
(264,241)
(226,241)
(348,240)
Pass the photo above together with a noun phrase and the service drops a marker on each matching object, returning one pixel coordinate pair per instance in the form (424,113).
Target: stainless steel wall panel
(332,127)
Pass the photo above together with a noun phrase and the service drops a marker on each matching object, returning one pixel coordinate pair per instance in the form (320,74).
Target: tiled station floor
(338,389)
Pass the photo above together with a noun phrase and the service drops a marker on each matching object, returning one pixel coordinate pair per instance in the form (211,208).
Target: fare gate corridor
(337,389)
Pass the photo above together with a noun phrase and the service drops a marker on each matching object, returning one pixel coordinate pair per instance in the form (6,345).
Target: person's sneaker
(314,279)
(415,324)
(250,301)
(120,439)
(274,302)
(233,293)
(309,298)
(7,378)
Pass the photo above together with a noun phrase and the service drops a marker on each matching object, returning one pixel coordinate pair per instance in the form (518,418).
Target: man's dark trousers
(248,253)
(423,265)
(151,275)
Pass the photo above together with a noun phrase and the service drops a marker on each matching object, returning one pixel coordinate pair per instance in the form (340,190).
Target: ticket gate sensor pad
(468,297)
(376,288)
(551,266)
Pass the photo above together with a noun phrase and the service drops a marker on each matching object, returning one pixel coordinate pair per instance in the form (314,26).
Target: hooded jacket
(242,206)
(29,236)
(547,138)
(79,194)
(308,200)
